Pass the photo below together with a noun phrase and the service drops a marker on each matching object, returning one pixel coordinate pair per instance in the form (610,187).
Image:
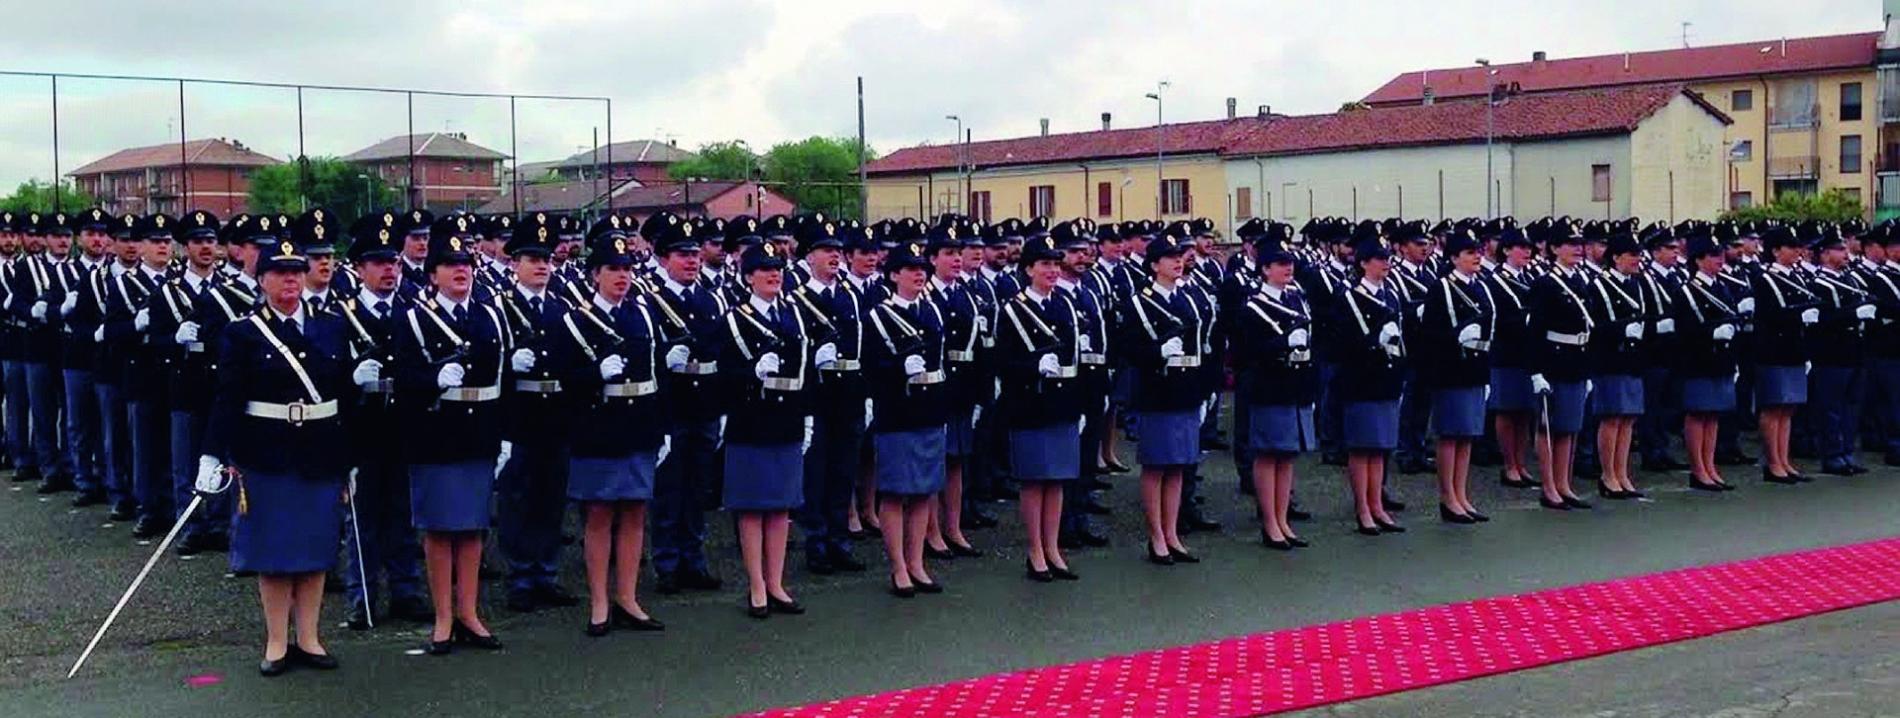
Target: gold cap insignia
(263,223)
(318,231)
(382,235)
(769,249)
(916,248)
(620,246)
(461,224)
(541,233)
(686,230)
(950,232)
(389,220)
(541,218)
(157,221)
(287,248)
(318,215)
(455,244)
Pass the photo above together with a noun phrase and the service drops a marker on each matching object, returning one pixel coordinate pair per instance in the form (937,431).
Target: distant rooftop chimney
(1266,111)
(1538,59)
(1105,118)
(1626,62)
(1045,127)
(1232,107)
(1428,96)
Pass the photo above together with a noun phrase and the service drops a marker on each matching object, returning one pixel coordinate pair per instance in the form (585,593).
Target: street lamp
(1161,143)
(1490,102)
(958,140)
(369,193)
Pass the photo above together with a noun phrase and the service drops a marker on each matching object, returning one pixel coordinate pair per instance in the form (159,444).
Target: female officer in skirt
(1785,309)
(1038,356)
(963,332)
(1512,402)
(1273,345)
(1459,321)
(1371,370)
(765,362)
(1622,306)
(610,362)
(1167,340)
(450,351)
(1707,319)
(1561,324)
(274,432)
(910,406)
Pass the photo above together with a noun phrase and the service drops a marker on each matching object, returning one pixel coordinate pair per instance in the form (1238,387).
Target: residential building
(643,160)
(448,171)
(725,199)
(209,174)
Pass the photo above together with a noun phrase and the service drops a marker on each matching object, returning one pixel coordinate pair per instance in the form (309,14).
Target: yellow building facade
(1807,133)
(1105,190)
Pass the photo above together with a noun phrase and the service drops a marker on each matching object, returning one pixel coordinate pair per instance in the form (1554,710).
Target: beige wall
(1131,184)
(1374,183)
(1793,145)
(1560,174)
(1677,164)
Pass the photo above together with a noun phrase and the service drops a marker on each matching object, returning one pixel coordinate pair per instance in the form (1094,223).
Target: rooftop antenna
(1685,32)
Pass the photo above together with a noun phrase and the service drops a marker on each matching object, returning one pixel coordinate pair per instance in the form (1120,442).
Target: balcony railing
(1794,167)
(1785,117)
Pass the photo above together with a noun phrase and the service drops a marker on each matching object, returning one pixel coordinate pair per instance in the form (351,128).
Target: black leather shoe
(1576,503)
(1115,466)
(358,620)
(1165,558)
(1522,482)
(1635,494)
(699,581)
(1474,513)
(847,564)
(319,661)
(597,630)
(932,587)
(1183,556)
(789,608)
(520,602)
(1392,504)
(1043,576)
(758,612)
(1559,505)
(1802,478)
(549,594)
(1449,516)
(1062,573)
(1295,513)
(941,554)
(273,669)
(1388,527)
(1836,468)
(440,648)
(903,591)
(148,528)
(1699,485)
(189,546)
(123,511)
(463,635)
(89,498)
(623,618)
(1774,479)
(1605,491)
(1298,542)
(1364,530)
(966,550)
(1279,545)
(54,485)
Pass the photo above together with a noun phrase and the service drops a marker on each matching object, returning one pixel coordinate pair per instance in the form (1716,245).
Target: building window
(980,205)
(1795,104)
(1850,154)
(1599,183)
(1175,198)
(1785,187)
(1741,100)
(1850,101)
(1104,199)
(1743,151)
(1042,200)
(1243,203)
(1738,200)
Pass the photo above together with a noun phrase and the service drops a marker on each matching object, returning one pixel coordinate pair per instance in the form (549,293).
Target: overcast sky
(707,70)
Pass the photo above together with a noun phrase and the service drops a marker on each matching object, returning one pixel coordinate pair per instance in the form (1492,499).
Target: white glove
(1807,367)
(1810,316)
(1724,333)
(1048,366)
(350,487)
(369,371)
(806,446)
(1298,338)
(142,319)
(1082,343)
(1539,384)
(187,333)
(1487,393)
(501,460)
(522,360)
(722,433)
(1421,312)
(1589,386)
(614,365)
(1746,306)
(826,355)
(666,447)
(868,413)
(1666,326)
(913,365)
(768,363)
(1172,348)
(982,324)
(71,302)
(996,390)
(1389,334)
(1200,413)
(677,357)
(1634,330)
(211,477)
(976,415)
(450,376)
(99,333)
(1864,311)
(1081,425)
(39,310)
(1470,336)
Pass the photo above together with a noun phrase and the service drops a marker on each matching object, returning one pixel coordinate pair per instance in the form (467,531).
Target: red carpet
(1335,662)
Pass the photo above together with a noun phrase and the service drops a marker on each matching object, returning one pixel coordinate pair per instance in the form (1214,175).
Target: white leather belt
(1299,356)
(1477,346)
(1575,340)
(782,383)
(1185,360)
(958,355)
(194,347)
(1062,372)
(1092,358)
(630,389)
(698,368)
(472,393)
(531,386)
(845,365)
(380,386)
(929,377)
(294,413)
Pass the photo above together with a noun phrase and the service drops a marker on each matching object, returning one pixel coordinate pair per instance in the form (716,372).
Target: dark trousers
(82,430)
(831,473)
(43,396)
(18,408)
(1834,394)
(1728,433)
(1883,402)
(1075,493)
(115,440)
(1243,429)
(151,463)
(1660,418)
(679,503)
(533,489)
(187,444)
(1329,419)
(1415,416)
(389,548)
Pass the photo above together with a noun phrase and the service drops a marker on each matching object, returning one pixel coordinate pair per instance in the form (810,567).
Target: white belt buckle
(294,412)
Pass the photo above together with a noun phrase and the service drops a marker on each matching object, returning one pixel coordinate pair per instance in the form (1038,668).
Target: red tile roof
(445,145)
(629,195)
(1806,54)
(1182,138)
(216,152)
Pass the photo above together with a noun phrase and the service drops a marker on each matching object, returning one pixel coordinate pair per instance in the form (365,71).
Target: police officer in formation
(455,374)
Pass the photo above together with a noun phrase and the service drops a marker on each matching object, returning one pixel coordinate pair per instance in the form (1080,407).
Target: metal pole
(596,161)
(610,155)
(56,181)
(1161,144)
(864,187)
(411,98)
(514,157)
(184,163)
(303,160)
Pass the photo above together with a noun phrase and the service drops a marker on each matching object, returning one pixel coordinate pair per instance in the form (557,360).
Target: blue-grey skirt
(1616,395)
(1567,403)
(1708,395)
(1371,425)
(959,436)
(1048,453)
(1511,390)
(909,463)
(616,478)
(1780,385)
(1169,438)
(1281,429)
(763,478)
(451,497)
(1458,412)
(289,523)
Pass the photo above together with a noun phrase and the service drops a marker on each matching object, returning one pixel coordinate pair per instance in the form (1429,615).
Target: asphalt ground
(189,642)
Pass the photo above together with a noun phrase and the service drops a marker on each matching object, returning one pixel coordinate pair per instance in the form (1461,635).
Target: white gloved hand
(1487,393)
(187,333)
(1746,306)
(976,415)
(996,390)
(826,355)
(1172,348)
(1420,312)
(677,357)
(1083,343)
(1810,316)
(70,303)
(450,376)
(1539,384)
(501,460)
(99,333)
(722,433)
(805,447)
(913,365)
(1864,311)
(1634,330)
(1298,338)
(613,366)
(1200,413)
(1389,334)
(522,360)
(211,477)
(767,364)
(982,324)
(1470,335)
(1589,386)
(1724,333)
(666,447)
(1048,365)
(39,310)
(142,319)
(1807,367)
(369,371)
(1666,326)
(350,487)
(1081,425)
(868,412)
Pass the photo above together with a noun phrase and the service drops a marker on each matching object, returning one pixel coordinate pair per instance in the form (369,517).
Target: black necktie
(381,307)
(291,327)
(460,313)
(535,304)
(771,314)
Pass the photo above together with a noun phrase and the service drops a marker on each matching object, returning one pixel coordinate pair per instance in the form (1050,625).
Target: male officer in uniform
(835,310)
(11,370)
(78,356)
(126,336)
(186,325)
(415,245)
(678,511)
(36,297)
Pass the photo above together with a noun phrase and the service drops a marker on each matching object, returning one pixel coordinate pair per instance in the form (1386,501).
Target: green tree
(1833,206)
(717,161)
(344,188)
(36,196)
(818,173)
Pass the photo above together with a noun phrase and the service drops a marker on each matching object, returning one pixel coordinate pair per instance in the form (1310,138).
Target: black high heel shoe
(1043,576)
(1504,478)
(761,612)
(1183,556)
(1388,527)
(932,587)
(1605,491)
(1277,545)
(1449,516)
(1576,503)
(1062,573)
(903,591)
(942,554)
(319,661)
(789,608)
(1298,542)
(965,550)
(623,618)
(1365,530)
(1558,505)
(1164,558)
(466,636)
(1770,477)
(440,648)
